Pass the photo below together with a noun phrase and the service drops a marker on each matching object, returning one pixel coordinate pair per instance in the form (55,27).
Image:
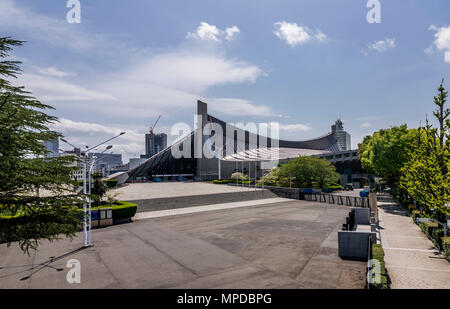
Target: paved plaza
(287,244)
(153,190)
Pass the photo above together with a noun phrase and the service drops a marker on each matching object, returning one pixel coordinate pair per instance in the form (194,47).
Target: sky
(300,63)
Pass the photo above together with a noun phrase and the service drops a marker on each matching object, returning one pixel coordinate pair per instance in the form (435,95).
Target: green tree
(426,175)
(385,152)
(24,169)
(325,173)
(304,171)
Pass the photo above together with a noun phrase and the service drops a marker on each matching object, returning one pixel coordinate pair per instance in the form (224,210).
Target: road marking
(189,210)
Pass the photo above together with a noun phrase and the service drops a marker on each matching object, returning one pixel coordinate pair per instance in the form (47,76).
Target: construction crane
(154,125)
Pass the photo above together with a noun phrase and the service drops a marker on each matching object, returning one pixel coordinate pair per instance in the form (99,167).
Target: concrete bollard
(373,205)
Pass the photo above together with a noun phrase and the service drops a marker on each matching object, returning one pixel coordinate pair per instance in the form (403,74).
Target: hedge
(111,183)
(446,247)
(412,207)
(428,228)
(224,181)
(438,234)
(120,210)
(378,254)
(124,210)
(415,215)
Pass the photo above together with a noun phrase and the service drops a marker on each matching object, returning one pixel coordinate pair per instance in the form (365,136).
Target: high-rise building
(108,159)
(343,138)
(52,148)
(105,162)
(154,143)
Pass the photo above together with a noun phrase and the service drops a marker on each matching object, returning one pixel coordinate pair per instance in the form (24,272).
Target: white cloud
(86,133)
(442,41)
(294,34)
(231,32)
(382,45)
(366,125)
(50,89)
(164,83)
(295,127)
(207,32)
(237,107)
(52,71)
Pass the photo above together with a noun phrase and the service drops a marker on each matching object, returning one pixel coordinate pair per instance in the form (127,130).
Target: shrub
(415,214)
(224,181)
(428,227)
(111,183)
(335,186)
(238,175)
(378,254)
(438,234)
(412,207)
(446,247)
(124,210)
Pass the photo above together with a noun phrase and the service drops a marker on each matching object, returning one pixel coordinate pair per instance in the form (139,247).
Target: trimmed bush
(428,228)
(121,209)
(438,234)
(224,181)
(415,214)
(124,210)
(446,247)
(378,254)
(412,207)
(111,183)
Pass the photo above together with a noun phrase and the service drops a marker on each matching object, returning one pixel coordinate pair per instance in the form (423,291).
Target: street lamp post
(87,238)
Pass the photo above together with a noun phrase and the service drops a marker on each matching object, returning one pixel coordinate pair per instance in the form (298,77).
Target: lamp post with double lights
(87,234)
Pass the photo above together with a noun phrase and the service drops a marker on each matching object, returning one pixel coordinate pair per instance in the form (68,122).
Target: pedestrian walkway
(411,259)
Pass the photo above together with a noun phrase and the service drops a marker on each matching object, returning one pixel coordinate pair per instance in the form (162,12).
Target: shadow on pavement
(36,268)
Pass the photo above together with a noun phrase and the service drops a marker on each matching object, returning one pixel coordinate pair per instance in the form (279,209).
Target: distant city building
(75,151)
(106,162)
(78,173)
(108,159)
(154,143)
(52,148)
(135,162)
(343,138)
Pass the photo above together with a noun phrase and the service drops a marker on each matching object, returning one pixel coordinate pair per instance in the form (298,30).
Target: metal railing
(345,200)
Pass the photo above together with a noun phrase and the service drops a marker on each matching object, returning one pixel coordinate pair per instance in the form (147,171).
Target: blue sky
(300,63)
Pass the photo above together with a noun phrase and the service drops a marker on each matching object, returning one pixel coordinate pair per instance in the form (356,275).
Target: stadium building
(223,149)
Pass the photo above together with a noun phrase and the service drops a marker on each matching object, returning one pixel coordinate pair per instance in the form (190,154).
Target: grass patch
(378,254)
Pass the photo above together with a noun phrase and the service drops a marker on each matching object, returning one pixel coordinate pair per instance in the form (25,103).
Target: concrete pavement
(284,245)
(411,259)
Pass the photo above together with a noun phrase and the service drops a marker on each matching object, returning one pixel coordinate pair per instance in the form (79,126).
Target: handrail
(355,201)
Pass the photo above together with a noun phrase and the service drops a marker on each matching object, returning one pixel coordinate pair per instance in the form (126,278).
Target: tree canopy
(386,151)
(304,171)
(415,163)
(425,176)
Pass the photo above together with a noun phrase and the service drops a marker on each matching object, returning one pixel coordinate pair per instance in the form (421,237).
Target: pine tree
(26,216)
